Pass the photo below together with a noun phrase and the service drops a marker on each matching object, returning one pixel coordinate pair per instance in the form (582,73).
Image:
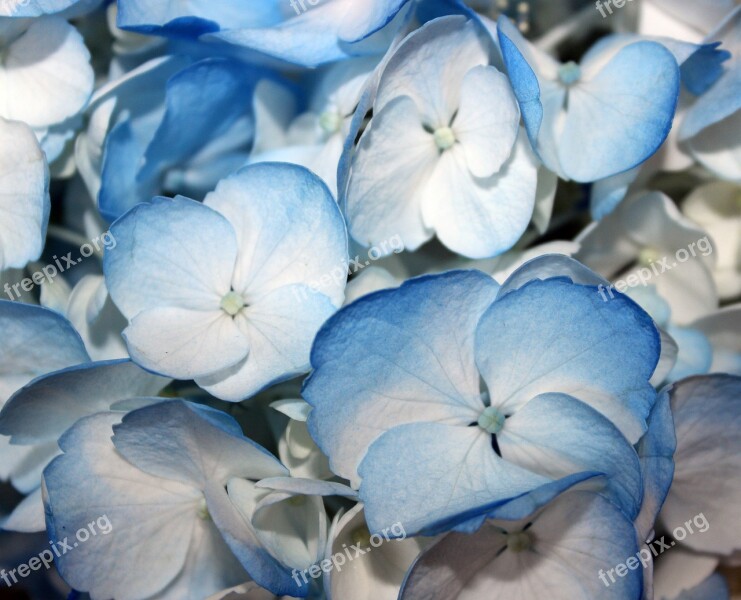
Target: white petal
(46,75)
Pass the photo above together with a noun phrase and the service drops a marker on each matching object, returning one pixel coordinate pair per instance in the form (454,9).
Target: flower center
(330,121)
(202,510)
(519,542)
(232,303)
(569,73)
(444,138)
(648,256)
(298,500)
(361,537)
(491,420)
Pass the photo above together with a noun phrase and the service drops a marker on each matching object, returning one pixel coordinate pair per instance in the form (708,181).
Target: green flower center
(491,420)
(232,303)
(330,121)
(569,73)
(519,542)
(444,138)
(648,256)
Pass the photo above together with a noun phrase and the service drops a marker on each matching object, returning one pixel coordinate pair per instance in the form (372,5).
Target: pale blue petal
(170,252)
(24,198)
(420,474)
(47,46)
(410,348)
(288,227)
(707,417)
(35,8)
(307,487)
(636,92)
(555,435)
(695,353)
(36,340)
(574,540)
(172,440)
(45,408)
(556,336)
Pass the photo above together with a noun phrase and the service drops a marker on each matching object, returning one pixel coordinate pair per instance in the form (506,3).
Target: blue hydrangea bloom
(231,292)
(399,409)
(443,154)
(565,546)
(166,468)
(632,92)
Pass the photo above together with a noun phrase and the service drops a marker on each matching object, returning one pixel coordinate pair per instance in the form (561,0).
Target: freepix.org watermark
(300,5)
(608,4)
(102,525)
(656,547)
(60,265)
(361,546)
(339,274)
(654,265)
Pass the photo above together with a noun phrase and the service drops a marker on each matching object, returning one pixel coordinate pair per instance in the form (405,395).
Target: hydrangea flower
(566,547)
(174,488)
(221,501)
(429,344)
(441,154)
(315,138)
(631,91)
(230,292)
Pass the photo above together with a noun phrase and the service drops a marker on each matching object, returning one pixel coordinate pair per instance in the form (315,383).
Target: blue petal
(523,79)
(426,474)
(556,336)
(633,98)
(203,102)
(193,18)
(695,353)
(172,440)
(45,408)
(704,68)
(36,340)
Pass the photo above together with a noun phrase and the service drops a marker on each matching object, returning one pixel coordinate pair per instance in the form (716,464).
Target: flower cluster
(378,299)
